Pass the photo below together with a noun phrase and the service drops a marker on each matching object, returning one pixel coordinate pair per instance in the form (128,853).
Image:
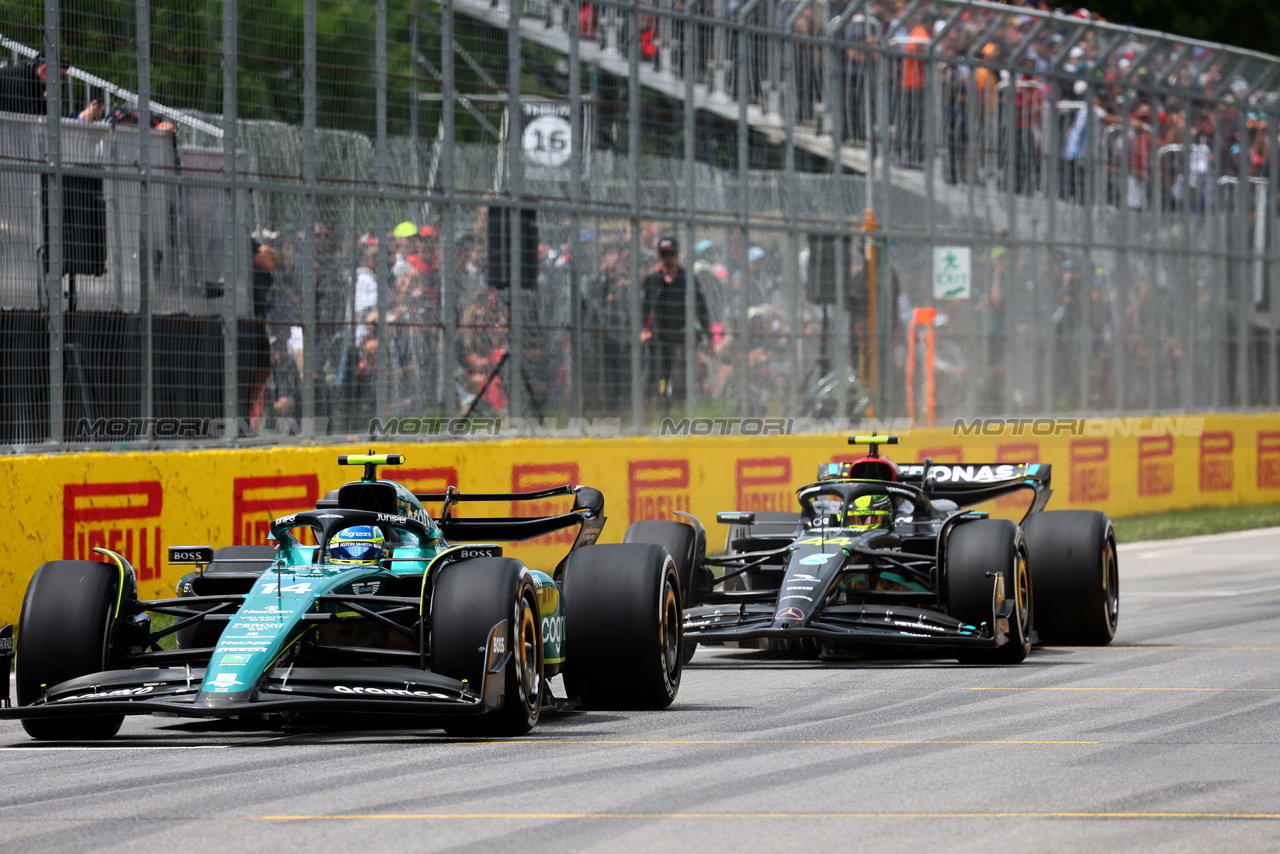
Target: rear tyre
(64,632)
(975,549)
(1077,576)
(681,542)
(623,626)
(471,597)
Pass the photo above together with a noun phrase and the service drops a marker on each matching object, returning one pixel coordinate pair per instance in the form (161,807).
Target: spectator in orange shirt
(912,114)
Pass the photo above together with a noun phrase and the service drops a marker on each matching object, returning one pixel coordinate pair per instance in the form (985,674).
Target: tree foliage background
(1252,24)
(186,56)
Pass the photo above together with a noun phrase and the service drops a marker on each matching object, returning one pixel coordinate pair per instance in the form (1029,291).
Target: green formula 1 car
(365,605)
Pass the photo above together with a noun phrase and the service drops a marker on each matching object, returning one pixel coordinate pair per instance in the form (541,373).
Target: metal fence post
(691,204)
(576,155)
(638,385)
(53,278)
(144,199)
(882,303)
(1217,333)
(233,249)
(1241,249)
(792,275)
(1187,317)
(836,101)
(311,344)
(383,376)
(742,350)
(1122,273)
(515,179)
(1270,295)
(448,223)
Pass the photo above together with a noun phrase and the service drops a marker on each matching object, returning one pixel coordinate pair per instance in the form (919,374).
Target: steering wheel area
(819,501)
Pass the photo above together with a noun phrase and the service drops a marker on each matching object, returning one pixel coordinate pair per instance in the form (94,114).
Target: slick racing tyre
(623,626)
(64,632)
(681,542)
(1076,575)
(975,549)
(471,597)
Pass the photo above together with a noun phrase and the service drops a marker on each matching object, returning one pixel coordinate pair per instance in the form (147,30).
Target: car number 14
(300,587)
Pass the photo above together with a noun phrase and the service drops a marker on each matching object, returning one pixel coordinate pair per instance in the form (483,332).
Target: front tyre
(623,626)
(64,632)
(975,550)
(1077,574)
(470,598)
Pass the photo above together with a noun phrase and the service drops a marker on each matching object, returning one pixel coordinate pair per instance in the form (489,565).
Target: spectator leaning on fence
(23,89)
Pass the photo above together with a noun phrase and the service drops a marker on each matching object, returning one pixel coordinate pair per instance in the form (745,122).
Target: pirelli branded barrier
(62,506)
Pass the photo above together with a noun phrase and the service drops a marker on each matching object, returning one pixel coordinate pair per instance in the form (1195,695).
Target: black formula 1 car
(887,554)
(367,606)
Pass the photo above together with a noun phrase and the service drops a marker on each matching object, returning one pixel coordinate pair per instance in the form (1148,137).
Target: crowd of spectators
(742,326)
(1006,88)
(995,70)
(1087,336)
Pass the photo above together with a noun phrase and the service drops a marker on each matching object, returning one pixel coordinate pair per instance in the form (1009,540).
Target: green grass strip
(1202,520)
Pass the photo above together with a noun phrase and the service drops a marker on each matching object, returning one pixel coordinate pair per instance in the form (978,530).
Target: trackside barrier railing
(325,244)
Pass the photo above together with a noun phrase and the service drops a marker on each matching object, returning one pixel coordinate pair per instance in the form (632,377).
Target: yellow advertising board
(139,503)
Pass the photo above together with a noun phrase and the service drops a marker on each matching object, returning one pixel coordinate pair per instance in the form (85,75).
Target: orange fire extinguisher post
(921,317)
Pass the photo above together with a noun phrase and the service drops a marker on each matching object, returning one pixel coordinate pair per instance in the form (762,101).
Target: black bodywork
(806,577)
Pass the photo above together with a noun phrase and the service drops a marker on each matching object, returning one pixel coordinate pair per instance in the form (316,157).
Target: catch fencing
(302,222)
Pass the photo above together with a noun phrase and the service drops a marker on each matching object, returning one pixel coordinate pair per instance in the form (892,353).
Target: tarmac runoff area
(1167,740)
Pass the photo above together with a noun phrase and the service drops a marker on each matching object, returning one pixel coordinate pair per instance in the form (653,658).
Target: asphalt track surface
(1167,740)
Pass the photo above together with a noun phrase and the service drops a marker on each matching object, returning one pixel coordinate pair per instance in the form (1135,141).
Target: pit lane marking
(1196,594)
(741,815)
(96,747)
(1158,646)
(791,741)
(1248,534)
(1159,553)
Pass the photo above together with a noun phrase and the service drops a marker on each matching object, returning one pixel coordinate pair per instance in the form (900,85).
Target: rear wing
(587,512)
(974,483)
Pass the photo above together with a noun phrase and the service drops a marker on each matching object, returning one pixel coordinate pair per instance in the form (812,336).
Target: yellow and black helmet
(869,511)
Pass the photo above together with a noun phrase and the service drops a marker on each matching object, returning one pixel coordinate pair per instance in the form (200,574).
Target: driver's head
(870,511)
(362,544)
(42,66)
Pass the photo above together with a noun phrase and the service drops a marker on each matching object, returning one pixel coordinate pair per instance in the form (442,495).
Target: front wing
(865,623)
(177,691)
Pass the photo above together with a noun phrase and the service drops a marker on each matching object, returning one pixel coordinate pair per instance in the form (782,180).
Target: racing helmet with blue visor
(361,544)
